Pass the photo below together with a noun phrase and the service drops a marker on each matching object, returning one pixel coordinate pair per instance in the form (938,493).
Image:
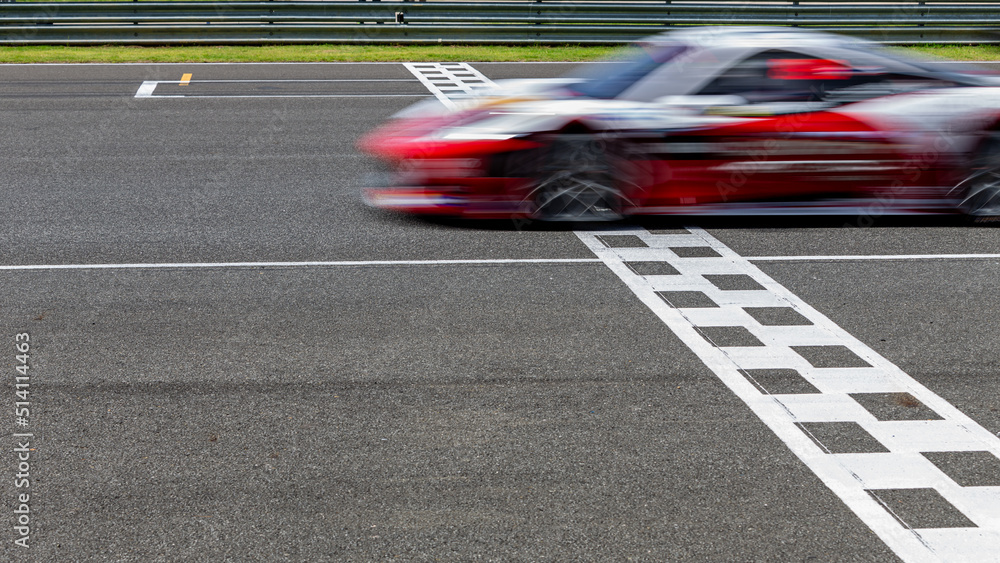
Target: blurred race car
(719,120)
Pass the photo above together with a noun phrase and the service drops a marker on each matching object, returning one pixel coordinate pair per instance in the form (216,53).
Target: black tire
(576,181)
(980,191)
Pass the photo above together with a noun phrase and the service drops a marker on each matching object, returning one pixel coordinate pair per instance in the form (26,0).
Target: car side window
(786,76)
(768,76)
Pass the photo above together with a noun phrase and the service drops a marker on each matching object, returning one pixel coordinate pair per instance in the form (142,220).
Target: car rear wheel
(576,182)
(980,191)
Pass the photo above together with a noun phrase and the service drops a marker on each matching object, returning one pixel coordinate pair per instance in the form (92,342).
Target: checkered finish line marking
(884,443)
(449,81)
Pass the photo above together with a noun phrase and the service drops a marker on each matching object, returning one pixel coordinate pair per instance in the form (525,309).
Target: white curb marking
(449,81)
(146,89)
(857,478)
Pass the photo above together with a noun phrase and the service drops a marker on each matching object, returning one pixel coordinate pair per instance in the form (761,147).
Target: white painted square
(963,545)
(891,470)
(825,407)
(795,335)
(747,298)
(766,357)
(667,241)
(719,316)
(922,435)
(638,254)
(679,283)
(852,380)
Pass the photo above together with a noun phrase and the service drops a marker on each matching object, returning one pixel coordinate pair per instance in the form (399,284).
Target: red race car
(721,121)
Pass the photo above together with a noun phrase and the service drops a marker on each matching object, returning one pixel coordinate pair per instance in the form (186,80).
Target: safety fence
(508,22)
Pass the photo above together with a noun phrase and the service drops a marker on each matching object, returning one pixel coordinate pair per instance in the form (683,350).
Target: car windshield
(609,79)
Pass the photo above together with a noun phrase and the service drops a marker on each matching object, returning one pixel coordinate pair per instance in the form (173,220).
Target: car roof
(771,36)
(709,50)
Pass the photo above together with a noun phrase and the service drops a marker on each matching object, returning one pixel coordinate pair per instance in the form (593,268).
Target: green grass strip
(370,53)
(961,52)
(300,53)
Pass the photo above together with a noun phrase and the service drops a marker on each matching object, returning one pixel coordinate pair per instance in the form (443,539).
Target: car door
(784,140)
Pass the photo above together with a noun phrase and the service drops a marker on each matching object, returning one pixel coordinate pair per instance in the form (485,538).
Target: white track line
(292,80)
(147,88)
(297,96)
(874,257)
(336,263)
(167,265)
(857,478)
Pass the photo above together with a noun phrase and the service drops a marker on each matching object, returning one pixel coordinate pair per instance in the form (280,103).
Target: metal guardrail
(526,21)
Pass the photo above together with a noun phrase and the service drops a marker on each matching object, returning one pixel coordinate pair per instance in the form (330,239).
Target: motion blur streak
(710,121)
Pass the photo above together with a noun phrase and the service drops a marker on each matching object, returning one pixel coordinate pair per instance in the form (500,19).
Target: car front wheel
(576,181)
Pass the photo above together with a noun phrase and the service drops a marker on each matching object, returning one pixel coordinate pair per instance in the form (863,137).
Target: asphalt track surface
(533,411)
